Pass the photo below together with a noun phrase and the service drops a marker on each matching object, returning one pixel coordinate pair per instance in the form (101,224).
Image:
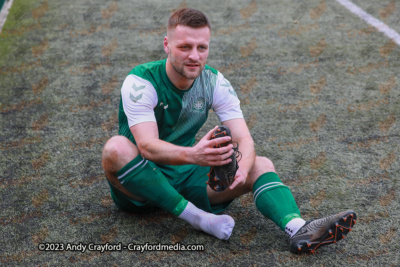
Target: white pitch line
(376,23)
(4,12)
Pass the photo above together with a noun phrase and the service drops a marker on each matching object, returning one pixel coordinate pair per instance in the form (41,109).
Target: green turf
(336,144)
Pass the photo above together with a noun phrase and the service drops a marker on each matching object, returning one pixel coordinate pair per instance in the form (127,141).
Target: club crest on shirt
(199,105)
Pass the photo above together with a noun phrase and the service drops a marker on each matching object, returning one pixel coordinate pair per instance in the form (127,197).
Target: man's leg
(275,201)
(142,183)
(272,198)
(131,174)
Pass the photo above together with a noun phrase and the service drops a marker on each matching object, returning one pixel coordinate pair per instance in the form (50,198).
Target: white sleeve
(139,98)
(226,104)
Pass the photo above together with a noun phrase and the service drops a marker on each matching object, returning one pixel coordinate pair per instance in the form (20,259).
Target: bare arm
(156,150)
(241,134)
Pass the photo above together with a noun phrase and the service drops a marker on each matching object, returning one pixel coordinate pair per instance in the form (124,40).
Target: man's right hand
(204,153)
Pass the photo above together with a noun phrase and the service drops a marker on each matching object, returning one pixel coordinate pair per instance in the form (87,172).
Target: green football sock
(274,199)
(148,183)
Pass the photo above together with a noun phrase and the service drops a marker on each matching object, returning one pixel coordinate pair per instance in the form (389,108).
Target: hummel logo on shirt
(226,84)
(232,92)
(138,88)
(165,106)
(135,98)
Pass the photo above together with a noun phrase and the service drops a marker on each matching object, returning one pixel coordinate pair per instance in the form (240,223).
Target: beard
(179,67)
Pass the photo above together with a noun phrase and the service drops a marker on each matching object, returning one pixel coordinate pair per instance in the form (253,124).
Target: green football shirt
(147,94)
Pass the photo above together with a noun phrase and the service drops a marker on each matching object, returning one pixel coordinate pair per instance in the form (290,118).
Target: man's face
(187,50)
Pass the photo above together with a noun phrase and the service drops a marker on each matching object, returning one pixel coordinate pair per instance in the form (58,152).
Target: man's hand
(204,153)
(240,179)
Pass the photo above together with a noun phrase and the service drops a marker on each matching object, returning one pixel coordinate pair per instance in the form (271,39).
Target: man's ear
(166,49)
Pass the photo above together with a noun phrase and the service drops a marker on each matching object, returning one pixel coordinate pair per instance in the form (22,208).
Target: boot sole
(337,231)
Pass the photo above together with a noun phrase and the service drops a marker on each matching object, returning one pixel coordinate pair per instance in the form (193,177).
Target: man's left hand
(240,179)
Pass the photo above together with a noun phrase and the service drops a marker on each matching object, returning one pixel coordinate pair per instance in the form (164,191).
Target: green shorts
(191,185)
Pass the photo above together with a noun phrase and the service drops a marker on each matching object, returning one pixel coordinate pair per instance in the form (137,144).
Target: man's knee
(261,165)
(264,164)
(117,152)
